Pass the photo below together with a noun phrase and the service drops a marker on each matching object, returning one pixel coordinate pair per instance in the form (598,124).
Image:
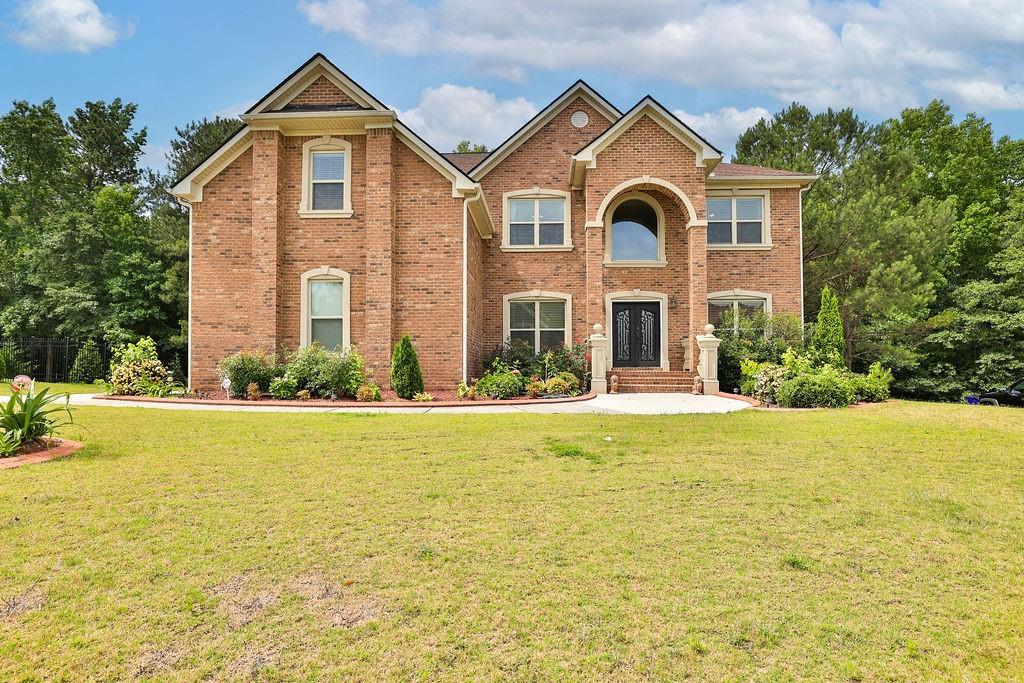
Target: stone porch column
(380,234)
(599,347)
(707,367)
(266,159)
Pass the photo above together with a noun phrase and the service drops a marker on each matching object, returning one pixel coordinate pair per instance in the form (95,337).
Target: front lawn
(55,387)
(873,543)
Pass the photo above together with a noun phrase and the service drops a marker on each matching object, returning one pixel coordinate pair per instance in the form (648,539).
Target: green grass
(882,543)
(55,387)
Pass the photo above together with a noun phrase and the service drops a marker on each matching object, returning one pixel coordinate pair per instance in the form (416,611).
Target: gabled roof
(301,78)
(706,153)
(272,112)
(577,89)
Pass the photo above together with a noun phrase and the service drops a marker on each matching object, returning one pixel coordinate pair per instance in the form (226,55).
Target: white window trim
(536,295)
(734,295)
(766,223)
(326,143)
(536,193)
(640,296)
(325,273)
(661,261)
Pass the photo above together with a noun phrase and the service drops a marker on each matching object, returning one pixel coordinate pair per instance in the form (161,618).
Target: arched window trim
(661,261)
(536,295)
(733,295)
(325,273)
(325,143)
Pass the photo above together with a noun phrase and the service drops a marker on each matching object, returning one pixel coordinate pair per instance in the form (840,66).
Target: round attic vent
(580,119)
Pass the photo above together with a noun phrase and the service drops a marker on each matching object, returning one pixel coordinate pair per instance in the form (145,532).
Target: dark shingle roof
(465,160)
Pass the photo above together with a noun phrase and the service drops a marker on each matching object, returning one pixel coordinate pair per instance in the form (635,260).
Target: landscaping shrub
(825,387)
(535,388)
(406,376)
(572,382)
(556,386)
(245,368)
(88,365)
(462,391)
(29,417)
(828,339)
(303,395)
(136,370)
(515,354)
(767,382)
(504,384)
(252,392)
(326,374)
(873,387)
(761,338)
(369,392)
(423,397)
(283,388)
(9,443)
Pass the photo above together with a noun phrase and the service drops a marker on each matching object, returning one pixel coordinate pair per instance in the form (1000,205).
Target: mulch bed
(442,399)
(41,452)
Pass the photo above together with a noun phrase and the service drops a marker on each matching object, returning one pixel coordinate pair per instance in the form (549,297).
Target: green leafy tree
(196,140)
(107,148)
(465,146)
(406,376)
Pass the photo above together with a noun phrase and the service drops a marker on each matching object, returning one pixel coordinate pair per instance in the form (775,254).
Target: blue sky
(472,69)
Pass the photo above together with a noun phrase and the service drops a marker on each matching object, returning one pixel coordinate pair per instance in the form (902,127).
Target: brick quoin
(404,244)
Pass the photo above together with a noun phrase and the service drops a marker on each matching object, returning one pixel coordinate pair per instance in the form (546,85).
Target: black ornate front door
(636,334)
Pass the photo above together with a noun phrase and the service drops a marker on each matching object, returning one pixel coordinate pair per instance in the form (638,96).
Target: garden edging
(347,404)
(62,448)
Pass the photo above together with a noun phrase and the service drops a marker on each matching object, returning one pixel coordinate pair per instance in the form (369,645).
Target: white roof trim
(190,188)
(715,180)
(304,76)
(578,89)
(586,158)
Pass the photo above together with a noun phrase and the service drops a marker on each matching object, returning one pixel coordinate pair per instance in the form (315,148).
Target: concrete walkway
(610,404)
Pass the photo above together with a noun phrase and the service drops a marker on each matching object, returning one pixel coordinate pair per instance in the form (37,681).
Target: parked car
(1010,396)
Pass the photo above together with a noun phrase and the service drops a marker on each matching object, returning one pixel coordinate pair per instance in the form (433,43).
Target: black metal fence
(44,360)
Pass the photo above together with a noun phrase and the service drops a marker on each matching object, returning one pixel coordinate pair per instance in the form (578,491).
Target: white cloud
(724,125)
(72,25)
(983,94)
(875,55)
(450,113)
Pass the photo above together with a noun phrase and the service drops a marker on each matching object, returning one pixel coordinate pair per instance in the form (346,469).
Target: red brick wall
(542,161)
(428,267)
(321,92)
(222,303)
(776,271)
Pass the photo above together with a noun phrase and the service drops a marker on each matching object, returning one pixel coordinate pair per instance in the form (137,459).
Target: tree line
(917,224)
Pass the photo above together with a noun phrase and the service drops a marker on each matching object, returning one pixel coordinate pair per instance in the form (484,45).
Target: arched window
(636,231)
(325,308)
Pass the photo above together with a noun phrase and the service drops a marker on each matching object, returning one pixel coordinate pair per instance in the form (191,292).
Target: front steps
(652,381)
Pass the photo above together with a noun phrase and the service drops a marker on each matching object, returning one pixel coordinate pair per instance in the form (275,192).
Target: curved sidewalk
(609,404)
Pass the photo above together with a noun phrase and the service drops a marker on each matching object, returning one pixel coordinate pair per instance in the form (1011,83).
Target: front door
(636,334)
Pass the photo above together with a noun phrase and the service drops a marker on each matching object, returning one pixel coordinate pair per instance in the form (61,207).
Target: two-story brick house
(326,218)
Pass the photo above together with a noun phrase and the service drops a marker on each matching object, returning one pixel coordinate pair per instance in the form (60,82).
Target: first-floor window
(540,323)
(327,312)
(729,312)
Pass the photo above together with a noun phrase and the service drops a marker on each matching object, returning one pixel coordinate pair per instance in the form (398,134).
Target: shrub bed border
(349,403)
(60,448)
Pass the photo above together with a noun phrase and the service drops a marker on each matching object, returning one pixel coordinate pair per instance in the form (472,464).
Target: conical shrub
(406,376)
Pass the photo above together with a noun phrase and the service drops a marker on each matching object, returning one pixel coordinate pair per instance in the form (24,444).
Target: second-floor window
(328,181)
(737,221)
(537,220)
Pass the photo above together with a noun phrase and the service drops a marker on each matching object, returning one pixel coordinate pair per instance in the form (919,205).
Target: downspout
(465,286)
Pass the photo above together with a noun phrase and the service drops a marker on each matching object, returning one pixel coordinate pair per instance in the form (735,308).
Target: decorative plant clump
(136,370)
(326,374)
(406,376)
(252,392)
(803,382)
(369,393)
(283,388)
(423,397)
(28,417)
(88,365)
